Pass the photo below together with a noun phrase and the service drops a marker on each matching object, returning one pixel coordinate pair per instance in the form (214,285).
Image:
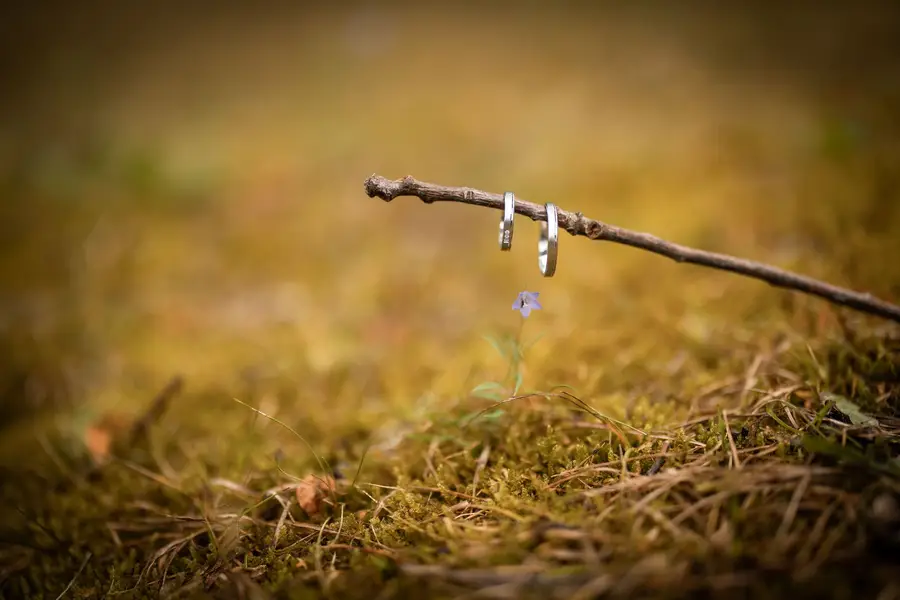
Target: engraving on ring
(507,221)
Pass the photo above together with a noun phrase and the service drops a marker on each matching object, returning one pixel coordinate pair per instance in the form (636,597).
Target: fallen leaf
(849,408)
(98,441)
(100,435)
(311,492)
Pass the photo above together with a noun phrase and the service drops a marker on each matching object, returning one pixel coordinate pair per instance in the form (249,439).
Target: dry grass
(666,431)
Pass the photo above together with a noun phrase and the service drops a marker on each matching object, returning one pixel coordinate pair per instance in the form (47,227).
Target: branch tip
(378,186)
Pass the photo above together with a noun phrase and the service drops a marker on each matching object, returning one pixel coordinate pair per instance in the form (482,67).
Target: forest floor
(229,373)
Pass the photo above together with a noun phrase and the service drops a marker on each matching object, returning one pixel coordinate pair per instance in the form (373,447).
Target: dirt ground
(184,199)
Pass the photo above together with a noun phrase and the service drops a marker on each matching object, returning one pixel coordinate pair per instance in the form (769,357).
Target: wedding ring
(506,225)
(548,244)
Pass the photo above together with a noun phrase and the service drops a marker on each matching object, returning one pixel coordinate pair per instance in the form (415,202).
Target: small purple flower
(526,302)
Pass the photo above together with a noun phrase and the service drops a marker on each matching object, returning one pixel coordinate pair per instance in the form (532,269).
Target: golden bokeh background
(183,193)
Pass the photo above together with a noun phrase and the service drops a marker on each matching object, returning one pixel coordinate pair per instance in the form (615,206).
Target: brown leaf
(312,492)
(100,435)
(98,440)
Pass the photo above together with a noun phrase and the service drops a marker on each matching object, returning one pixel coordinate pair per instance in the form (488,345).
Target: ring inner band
(548,243)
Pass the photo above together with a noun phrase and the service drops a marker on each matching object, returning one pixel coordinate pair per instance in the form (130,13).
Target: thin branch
(84,563)
(156,410)
(577,224)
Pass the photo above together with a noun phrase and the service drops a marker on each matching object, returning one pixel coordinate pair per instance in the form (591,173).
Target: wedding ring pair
(548,243)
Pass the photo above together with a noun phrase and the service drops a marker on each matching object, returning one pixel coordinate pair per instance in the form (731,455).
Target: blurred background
(183,191)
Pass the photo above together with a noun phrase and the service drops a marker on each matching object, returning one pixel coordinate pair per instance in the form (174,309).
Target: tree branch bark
(577,224)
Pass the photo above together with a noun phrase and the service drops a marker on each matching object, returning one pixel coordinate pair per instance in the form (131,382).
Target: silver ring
(548,244)
(506,225)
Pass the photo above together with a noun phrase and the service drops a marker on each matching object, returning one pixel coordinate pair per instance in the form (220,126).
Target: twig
(660,461)
(577,224)
(480,464)
(386,553)
(155,411)
(84,563)
(734,453)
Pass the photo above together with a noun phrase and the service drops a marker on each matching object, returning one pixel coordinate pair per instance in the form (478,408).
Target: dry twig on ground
(577,224)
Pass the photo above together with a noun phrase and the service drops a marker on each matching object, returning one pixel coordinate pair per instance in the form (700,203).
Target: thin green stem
(516,357)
